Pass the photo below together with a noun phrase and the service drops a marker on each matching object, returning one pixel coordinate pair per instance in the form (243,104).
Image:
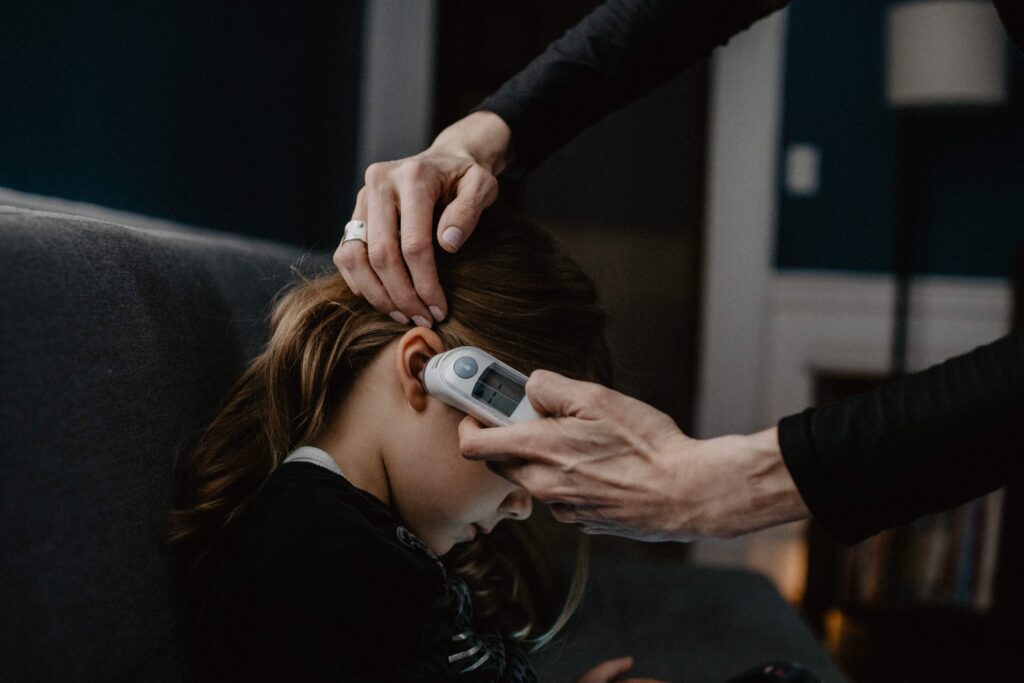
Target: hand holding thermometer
(479,384)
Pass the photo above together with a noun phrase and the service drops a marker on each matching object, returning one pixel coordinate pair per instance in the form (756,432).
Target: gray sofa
(118,336)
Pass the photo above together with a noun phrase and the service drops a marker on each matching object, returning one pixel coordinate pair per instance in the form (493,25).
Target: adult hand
(394,269)
(611,671)
(615,465)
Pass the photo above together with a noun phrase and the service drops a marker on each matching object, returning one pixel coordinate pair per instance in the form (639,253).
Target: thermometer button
(465,367)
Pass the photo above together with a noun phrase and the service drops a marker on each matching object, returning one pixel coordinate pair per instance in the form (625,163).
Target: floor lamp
(944,58)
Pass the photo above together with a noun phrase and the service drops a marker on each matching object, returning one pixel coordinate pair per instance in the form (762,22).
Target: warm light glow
(781,555)
(834,622)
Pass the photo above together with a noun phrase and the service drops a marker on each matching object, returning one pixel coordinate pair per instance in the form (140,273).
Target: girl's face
(397,442)
(444,498)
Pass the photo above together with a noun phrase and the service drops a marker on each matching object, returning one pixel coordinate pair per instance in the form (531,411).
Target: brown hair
(511,292)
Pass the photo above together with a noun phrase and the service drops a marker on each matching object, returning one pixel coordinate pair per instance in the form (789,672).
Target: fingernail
(421,321)
(436,312)
(452,236)
(399,318)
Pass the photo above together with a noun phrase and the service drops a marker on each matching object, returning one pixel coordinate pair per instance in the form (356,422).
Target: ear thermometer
(479,384)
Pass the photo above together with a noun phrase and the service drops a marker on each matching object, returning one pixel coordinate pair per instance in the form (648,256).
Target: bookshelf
(939,599)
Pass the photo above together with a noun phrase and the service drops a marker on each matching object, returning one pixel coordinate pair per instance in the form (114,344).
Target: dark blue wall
(963,172)
(235,115)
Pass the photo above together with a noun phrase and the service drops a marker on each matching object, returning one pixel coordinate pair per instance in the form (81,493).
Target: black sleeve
(925,443)
(623,49)
(1012,14)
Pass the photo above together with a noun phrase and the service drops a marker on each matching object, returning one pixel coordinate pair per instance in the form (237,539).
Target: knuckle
(427,292)
(467,214)
(539,377)
(345,258)
(416,247)
(596,395)
(489,184)
(413,169)
(380,255)
(483,178)
(377,302)
(376,174)
(467,444)
(540,494)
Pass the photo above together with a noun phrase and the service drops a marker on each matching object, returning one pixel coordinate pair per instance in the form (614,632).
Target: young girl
(328,524)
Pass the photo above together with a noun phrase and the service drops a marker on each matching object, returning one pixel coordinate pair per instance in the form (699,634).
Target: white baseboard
(844,322)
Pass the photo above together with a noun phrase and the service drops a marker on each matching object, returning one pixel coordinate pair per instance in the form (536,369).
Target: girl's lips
(475,529)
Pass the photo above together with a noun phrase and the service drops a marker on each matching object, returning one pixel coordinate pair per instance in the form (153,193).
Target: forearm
(774,498)
(620,51)
(927,442)
(482,135)
(749,488)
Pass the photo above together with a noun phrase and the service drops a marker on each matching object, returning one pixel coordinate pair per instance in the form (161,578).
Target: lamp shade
(945,53)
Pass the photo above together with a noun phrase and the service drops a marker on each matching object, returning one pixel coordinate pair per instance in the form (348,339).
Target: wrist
(482,136)
(774,497)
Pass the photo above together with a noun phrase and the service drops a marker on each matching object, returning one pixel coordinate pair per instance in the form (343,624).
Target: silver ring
(354,230)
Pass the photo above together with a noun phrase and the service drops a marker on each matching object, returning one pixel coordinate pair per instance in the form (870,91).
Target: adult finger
(534,441)
(545,482)
(564,512)
(417,197)
(476,190)
(553,394)
(382,249)
(351,259)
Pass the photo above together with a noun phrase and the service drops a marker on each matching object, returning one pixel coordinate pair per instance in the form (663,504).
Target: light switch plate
(803,169)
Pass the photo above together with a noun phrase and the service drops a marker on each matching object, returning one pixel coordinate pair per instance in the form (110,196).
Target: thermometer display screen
(499,390)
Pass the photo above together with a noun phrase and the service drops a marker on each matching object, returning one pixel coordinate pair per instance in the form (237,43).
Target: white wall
(744,133)
(397,98)
(744,129)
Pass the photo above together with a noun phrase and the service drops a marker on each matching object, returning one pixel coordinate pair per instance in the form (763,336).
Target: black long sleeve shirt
(320,581)
(922,444)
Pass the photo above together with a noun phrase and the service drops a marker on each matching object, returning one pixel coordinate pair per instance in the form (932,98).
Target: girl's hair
(511,292)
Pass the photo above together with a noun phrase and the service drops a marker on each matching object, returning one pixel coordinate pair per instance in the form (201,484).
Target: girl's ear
(414,349)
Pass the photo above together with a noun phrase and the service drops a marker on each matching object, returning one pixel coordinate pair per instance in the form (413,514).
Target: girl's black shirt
(320,581)
(922,444)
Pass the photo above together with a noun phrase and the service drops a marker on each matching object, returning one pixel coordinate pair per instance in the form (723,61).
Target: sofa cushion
(681,623)
(117,341)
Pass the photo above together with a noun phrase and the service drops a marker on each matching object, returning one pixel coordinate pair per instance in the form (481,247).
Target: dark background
(963,175)
(233,115)
(245,117)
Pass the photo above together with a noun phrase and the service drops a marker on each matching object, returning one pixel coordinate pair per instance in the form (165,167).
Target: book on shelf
(945,559)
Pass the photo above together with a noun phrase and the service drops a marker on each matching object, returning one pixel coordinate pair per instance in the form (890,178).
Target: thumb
(499,444)
(477,190)
(556,395)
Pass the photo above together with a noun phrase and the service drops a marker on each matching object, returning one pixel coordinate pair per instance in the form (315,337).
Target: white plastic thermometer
(477,383)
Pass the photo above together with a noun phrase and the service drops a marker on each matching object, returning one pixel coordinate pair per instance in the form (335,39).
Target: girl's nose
(517,504)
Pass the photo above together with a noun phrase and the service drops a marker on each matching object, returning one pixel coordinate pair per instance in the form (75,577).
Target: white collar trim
(314,455)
